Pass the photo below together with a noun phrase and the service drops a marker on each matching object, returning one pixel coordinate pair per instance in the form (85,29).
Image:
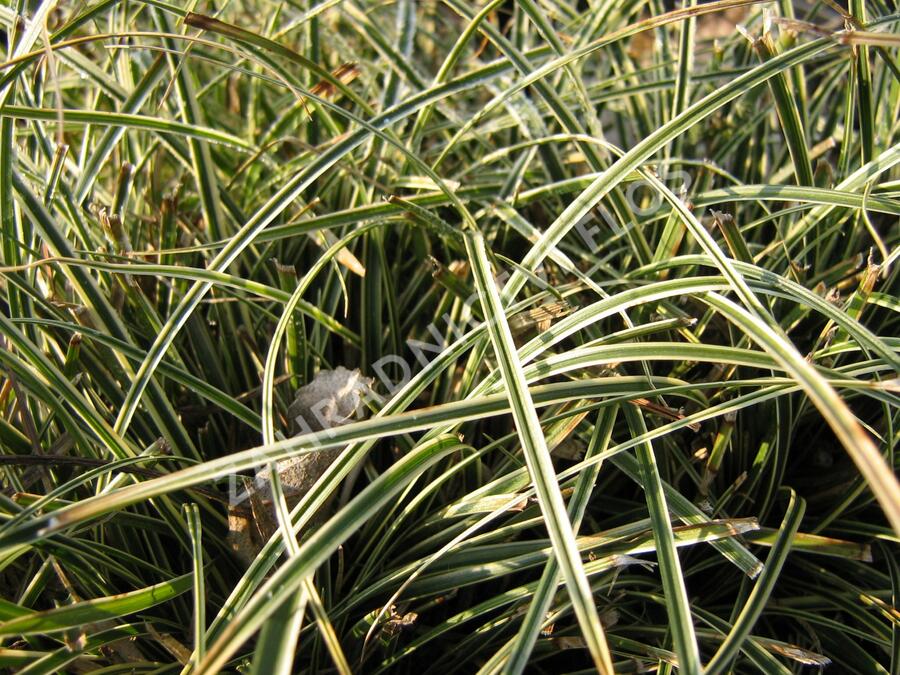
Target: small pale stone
(332,399)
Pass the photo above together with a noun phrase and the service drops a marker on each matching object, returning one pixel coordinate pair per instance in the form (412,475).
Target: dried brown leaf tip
(539,318)
(332,399)
(344,73)
(327,88)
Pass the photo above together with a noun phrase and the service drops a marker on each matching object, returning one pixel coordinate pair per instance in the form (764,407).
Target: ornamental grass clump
(449,337)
